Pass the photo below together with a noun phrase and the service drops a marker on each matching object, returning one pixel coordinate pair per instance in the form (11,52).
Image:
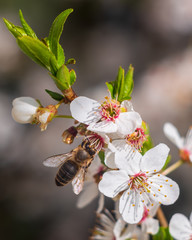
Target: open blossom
(138,183)
(24,109)
(184,144)
(108,117)
(110,229)
(180,227)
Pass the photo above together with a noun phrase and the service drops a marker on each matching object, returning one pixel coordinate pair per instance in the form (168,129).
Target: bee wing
(78,181)
(56,160)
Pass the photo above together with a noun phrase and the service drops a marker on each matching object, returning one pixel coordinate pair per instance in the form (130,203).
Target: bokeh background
(153,36)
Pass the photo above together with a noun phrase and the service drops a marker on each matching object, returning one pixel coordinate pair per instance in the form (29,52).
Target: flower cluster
(116,158)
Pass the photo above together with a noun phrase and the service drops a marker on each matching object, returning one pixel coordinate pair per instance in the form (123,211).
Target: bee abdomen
(66,173)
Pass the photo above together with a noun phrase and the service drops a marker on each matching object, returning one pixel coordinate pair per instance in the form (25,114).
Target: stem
(63,116)
(172,167)
(162,218)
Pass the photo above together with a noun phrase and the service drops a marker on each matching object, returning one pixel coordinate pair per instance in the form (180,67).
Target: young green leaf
(72,77)
(37,51)
(126,86)
(148,144)
(56,96)
(122,87)
(15,30)
(56,30)
(29,31)
(163,234)
(102,157)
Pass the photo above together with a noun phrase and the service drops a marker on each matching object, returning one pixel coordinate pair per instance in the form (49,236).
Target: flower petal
(127,122)
(127,105)
(131,206)
(188,139)
(155,158)
(113,182)
(128,158)
(103,126)
(100,203)
(89,193)
(150,225)
(85,110)
(190,218)
(173,135)
(163,189)
(110,159)
(180,227)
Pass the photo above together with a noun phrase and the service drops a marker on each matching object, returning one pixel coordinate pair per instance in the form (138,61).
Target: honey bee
(73,165)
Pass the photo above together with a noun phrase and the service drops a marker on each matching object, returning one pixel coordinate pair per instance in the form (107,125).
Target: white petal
(113,182)
(155,158)
(23,109)
(85,110)
(119,226)
(127,105)
(103,126)
(153,208)
(127,122)
(188,139)
(110,159)
(190,218)
(89,193)
(173,135)
(100,203)
(129,232)
(131,207)
(163,189)
(129,160)
(180,227)
(44,117)
(150,225)
(190,157)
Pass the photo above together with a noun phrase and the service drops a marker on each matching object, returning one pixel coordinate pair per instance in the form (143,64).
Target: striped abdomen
(66,173)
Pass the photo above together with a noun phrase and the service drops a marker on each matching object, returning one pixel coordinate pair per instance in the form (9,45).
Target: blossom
(180,227)
(24,109)
(108,117)
(109,228)
(138,183)
(184,144)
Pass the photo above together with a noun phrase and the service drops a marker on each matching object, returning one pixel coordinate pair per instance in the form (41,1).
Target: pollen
(133,205)
(166,180)
(155,170)
(110,110)
(165,195)
(136,139)
(161,186)
(171,185)
(158,175)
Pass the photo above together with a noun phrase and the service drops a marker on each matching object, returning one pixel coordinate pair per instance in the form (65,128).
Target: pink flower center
(96,141)
(136,139)
(139,182)
(184,155)
(110,109)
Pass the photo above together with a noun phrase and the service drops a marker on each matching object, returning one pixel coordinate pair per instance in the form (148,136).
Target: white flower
(24,109)
(184,144)
(110,229)
(90,189)
(138,182)
(180,227)
(108,117)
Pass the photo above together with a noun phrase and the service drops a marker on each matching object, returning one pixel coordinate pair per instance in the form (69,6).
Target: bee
(73,165)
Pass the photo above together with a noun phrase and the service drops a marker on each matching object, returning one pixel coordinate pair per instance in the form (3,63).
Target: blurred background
(153,36)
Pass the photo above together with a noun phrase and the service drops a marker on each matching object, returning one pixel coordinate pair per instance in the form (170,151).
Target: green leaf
(29,31)
(102,156)
(61,56)
(15,30)
(56,96)
(122,87)
(64,77)
(126,86)
(70,61)
(72,77)
(148,144)
(56,30)
(163,234)
(37,51)
(59,83)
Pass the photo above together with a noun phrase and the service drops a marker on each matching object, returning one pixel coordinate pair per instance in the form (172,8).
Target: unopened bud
(69,135)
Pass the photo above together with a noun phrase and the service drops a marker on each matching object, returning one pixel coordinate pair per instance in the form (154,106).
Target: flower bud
(69,135)
(24,109)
